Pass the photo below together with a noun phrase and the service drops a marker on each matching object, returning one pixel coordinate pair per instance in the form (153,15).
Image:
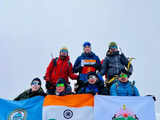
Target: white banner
(124,108)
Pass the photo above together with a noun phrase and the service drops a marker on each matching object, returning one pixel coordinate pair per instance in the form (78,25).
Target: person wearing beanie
(123,87)
(35,90)
(59,67)
(115,62)
(85,63)
(94,85)
(62,88)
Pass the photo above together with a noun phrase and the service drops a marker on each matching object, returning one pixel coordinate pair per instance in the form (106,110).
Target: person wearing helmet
(60,67)
(85,63)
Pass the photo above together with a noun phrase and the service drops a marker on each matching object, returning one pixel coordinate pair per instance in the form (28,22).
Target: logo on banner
(124,114)
(68,114)
(18,114)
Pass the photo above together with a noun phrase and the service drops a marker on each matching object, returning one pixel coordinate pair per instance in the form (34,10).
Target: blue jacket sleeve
(77,65)
(113,91)
(136,92)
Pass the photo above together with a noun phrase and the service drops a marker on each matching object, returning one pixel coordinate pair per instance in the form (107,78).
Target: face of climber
(60,87)
(113,48)
(35,86)
(87,49)
(63,53)
(123,78)
(92,79)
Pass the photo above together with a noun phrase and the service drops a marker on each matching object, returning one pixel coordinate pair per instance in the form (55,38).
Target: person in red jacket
(59,67)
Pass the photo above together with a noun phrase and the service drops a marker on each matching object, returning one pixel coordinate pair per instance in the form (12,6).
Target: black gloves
(48,85)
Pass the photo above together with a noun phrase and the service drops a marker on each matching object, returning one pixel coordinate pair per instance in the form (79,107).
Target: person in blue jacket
(85,63)
(94,85)
(123,87)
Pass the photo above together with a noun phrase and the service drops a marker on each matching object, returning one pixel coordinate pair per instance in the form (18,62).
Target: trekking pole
(51,55)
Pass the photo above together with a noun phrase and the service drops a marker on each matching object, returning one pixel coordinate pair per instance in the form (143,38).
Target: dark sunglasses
(35,83)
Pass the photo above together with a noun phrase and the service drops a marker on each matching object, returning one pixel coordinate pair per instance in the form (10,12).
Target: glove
(48,85)
(46,78)
(129,74)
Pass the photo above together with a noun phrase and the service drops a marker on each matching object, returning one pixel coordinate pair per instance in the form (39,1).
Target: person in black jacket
(35,90)
(115,63)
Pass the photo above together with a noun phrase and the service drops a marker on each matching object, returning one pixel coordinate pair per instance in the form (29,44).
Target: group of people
(88,70)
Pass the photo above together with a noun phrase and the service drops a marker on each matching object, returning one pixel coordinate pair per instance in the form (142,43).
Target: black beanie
(36,79)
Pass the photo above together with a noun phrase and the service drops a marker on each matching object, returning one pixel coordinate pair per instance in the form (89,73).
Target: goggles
(113,47)
(123,76)
(92,77)
(35,83)
(64,51)
(60,85)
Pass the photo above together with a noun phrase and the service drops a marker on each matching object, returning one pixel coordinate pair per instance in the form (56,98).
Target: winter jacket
(86,63)
(105,73)
(28,94)
(62,69)
(97,88)
(114,64)
(123,89)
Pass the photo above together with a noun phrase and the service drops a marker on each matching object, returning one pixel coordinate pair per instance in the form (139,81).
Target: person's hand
(48,85)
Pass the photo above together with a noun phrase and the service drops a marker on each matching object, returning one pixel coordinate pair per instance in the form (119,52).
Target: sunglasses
(92,77)
(60,85)
(64,51)
(113,47)
(123,76)
(35,83)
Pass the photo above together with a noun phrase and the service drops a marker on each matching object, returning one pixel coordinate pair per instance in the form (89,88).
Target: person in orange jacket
(60,67)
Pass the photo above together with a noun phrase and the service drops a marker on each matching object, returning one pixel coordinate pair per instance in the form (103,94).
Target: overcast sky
(30,30)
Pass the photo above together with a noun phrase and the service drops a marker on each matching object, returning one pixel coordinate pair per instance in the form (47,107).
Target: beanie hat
(112,44)
(36,79)
(86,44)
(64,49)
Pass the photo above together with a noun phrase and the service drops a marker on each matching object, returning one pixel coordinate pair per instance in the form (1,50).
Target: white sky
(31,29)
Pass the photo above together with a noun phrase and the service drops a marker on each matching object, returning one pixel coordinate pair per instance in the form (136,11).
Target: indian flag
(70,107)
